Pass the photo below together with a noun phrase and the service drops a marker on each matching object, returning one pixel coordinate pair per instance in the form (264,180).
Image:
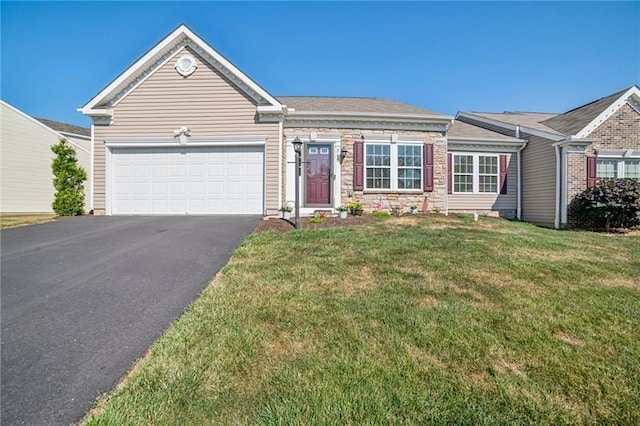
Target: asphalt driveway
(83,298)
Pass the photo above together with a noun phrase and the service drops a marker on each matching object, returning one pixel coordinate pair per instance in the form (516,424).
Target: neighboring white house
(25,160)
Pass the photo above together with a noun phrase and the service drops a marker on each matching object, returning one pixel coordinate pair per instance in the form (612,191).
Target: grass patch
(12,221)
(411,320)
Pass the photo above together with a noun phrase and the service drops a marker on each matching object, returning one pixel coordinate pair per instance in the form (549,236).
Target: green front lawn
(410,320)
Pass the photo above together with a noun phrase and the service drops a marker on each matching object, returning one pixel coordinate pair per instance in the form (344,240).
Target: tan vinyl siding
(490,202)
(25,164)
(206,102)
(539,181)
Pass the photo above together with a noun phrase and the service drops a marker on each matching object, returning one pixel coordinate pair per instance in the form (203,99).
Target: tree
(68,180)
(610,203)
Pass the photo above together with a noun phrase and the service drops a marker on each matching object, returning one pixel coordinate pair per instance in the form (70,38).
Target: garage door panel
(203,180)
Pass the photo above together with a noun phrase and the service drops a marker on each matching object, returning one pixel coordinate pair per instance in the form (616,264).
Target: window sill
(393,191)
(475,193)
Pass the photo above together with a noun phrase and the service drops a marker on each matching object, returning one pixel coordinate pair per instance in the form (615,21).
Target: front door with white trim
(189,180)
(318,176)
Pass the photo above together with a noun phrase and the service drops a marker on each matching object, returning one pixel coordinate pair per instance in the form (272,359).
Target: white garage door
(198,180)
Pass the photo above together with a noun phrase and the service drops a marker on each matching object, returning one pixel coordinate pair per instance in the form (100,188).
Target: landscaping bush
(68,181)
(612,203)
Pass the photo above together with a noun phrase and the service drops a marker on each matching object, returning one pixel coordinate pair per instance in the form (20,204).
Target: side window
(378,166)
(607,169)
(462,173)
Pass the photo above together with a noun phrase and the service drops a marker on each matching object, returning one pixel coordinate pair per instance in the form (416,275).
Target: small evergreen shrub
(611,203)
(380,214)
(68,181)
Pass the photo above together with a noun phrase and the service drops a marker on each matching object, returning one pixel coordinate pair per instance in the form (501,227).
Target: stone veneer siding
(371,199)
(620,131)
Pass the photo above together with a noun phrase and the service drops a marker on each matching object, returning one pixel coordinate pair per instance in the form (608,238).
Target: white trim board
(604,115)
(190,141)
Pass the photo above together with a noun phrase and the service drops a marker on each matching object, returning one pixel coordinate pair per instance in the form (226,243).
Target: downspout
(91,156)
(519,202)
(281,186)
(556,222)
(519,176)
(564,191)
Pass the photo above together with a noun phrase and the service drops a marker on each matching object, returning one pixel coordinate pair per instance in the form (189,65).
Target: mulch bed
(281,225)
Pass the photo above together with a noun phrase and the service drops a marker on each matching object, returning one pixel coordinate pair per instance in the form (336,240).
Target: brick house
(184,131)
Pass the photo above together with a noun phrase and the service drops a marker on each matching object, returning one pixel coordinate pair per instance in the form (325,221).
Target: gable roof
(64,127)
(41,124)
(575,124)
(158,55)
(351,105)
(573,121)
(530,122)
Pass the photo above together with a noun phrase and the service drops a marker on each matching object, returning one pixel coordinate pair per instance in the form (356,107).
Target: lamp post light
(297,147)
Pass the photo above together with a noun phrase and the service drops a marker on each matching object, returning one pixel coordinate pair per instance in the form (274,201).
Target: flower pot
(414,211)
(356,212)
(286,215)
(343,214)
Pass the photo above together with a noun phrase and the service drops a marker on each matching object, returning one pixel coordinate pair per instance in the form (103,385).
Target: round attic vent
(186,65)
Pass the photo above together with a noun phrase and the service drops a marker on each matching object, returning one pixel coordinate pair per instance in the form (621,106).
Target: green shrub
(611,203)
(380,214)
(68,181)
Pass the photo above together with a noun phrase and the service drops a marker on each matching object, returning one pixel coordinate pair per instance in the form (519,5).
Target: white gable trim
(604,115)
(181,36)
(44,126)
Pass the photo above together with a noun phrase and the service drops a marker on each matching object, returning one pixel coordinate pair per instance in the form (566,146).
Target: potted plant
(396,210)
(342,211)
(355,208)
(286,212)
(414,209)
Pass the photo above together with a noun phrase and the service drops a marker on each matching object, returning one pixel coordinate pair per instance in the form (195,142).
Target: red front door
(318,174)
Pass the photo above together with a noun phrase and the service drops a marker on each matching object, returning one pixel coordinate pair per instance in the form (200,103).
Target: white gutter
(102,112)
(92,156)
(564,188)
(368,116)
(556,221)
(519,179)
(514,142)
(280,141)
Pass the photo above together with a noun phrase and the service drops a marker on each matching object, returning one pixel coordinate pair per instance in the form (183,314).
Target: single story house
(568,152)
(26,180)
(184,131)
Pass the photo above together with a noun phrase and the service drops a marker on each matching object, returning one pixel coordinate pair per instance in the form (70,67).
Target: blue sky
(446,57)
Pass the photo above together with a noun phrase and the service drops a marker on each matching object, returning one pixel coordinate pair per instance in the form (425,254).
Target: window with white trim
(487,174)
(409,166)
(475,174)
(393,166)
(613,168)
(632,168)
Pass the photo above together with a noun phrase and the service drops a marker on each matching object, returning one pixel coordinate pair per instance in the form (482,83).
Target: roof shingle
(571,122)
(351,105)
(532,120)
(460,129)
(64,127)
